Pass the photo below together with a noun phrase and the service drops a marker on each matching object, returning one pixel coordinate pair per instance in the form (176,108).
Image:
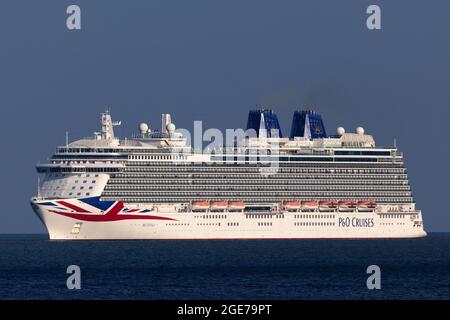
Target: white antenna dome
(340,131)
(143,128)
(170,128)
(360,130)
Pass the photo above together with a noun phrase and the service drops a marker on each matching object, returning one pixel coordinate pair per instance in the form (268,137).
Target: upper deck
(107,152)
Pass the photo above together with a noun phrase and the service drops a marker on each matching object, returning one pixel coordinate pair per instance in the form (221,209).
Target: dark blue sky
(213,61)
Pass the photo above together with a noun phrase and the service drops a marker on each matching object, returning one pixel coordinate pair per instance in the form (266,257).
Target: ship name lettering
(356,222)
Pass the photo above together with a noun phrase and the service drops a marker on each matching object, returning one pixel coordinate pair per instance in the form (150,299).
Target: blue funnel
(264,122)
(308,124)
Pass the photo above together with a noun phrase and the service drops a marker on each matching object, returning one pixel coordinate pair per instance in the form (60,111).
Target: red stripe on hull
(73,207)
(115,209)
(111,215)
(107,218)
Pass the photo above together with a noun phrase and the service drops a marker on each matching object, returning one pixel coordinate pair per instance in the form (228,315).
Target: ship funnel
(265,123)
(308,124)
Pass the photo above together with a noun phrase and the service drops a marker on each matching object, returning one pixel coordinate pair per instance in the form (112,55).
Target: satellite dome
(143,128)
(360,130)
(340,131)
(170,128)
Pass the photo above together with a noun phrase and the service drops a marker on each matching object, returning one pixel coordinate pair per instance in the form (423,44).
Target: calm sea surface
(32,267)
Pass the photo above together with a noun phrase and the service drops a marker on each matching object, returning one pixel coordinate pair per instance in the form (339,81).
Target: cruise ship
(261,185)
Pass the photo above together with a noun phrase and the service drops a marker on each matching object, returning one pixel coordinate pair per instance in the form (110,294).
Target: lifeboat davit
(236,205)
(200,205)
(347,205)
(366,205)
(291,205)
(310,205)
(219,205)
(327,205)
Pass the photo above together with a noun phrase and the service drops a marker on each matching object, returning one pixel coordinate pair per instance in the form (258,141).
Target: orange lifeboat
(200,205)
(366,205)
(291,205)
(219,205)
(327,205)
(310,205)
(236,205)
(347,205)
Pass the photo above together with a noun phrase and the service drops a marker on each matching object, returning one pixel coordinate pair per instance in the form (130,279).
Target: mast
(38,187)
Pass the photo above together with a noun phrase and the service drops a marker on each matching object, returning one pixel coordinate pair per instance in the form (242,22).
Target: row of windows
(224,150)
(169,199)
(64,175)
(91,150)
(275,158)
(264,224)
(362,153)
(78,194)
(82,187)
(88,157)
(259,216)
(274,176)
(77,170)
(392,216)
(211,194)
(257,187)
(315,216)
(314,224)
(233,224)
(157,157)
(183,166)
(62,188)
(397,163)
(277,170)
(84,181)
(115,181)
(107,150)
(209,216)
(206,168)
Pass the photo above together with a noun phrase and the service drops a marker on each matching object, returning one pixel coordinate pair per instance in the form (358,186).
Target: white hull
(235,225)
